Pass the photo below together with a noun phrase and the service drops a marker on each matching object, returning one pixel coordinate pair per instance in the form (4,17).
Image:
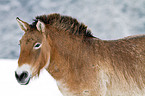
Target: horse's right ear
(23,25)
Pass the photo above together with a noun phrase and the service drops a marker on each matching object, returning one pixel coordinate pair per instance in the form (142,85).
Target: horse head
(35,51)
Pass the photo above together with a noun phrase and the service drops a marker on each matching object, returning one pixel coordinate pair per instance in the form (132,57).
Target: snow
(108,19)
(45,85)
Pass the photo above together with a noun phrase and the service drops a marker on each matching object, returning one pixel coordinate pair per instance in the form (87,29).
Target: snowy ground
(45,85)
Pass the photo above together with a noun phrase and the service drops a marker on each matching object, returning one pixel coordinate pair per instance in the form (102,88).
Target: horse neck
(69,55)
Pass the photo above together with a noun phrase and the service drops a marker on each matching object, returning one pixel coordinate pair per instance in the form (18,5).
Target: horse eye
(37,45)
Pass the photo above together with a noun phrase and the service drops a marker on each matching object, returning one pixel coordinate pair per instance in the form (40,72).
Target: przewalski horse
(81,64)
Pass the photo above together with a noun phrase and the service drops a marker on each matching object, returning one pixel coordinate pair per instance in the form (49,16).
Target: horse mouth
(25,82)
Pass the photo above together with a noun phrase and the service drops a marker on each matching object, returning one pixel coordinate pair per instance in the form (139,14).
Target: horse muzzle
(23,74)
(23,78)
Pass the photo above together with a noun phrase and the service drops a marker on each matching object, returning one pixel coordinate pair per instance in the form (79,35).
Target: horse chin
(25,82)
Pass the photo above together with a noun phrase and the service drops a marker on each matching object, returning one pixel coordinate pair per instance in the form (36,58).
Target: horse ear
(23,25)
(40,26)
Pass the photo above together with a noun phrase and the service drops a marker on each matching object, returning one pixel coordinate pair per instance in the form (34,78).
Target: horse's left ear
(40,26)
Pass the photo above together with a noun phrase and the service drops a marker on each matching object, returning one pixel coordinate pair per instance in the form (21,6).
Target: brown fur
(84,65)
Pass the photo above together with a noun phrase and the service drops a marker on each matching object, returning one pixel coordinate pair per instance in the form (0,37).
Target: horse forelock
(64,22)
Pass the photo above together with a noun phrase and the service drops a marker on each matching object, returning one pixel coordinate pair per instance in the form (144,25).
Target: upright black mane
(64,22)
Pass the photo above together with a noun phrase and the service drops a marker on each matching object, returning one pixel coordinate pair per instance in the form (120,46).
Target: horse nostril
(24,75)
(21,77)
(16,75)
